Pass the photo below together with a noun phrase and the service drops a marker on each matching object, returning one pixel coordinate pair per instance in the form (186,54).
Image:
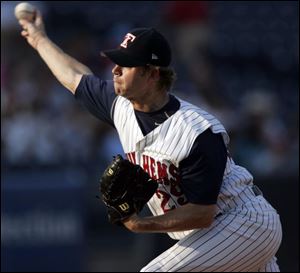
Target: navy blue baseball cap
(140,47)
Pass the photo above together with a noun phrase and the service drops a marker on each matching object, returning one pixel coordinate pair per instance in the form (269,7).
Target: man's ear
(154,73)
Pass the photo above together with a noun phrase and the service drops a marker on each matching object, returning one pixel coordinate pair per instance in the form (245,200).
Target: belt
(255,189)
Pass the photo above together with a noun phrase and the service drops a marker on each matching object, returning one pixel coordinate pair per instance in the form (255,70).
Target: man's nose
(116,70)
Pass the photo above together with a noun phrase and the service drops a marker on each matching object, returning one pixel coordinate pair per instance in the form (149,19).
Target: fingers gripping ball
(125,189)
(25,11)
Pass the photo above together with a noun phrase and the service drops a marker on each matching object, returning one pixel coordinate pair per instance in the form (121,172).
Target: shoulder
(193,116)
(121,108)
(197,120)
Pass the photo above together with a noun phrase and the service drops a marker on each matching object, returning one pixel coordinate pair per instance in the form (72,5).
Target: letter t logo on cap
(128,38)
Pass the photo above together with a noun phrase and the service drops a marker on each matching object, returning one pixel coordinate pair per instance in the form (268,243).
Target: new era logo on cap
(140,47)
(154,57)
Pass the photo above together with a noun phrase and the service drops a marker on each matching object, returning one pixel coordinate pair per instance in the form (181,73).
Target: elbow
(207,223)
(201,222)
(204,221)
(205,215)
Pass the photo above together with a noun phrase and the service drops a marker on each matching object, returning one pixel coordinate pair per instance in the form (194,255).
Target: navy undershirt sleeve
(202,171)
(97,96)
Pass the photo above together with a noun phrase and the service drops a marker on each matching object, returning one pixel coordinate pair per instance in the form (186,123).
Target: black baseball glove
(125,189)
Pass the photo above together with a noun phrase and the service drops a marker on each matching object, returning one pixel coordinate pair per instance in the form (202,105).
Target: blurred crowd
(237,60)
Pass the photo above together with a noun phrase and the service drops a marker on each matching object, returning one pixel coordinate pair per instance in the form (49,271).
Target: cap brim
(121,58)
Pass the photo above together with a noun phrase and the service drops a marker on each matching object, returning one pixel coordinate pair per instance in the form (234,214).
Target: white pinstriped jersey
(160,152)
(247,233)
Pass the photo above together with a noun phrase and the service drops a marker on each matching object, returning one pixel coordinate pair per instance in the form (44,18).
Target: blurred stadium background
(239,60)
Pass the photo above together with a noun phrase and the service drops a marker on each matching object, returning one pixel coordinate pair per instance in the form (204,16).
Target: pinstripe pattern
(246,236)
(237,242)
(271,266)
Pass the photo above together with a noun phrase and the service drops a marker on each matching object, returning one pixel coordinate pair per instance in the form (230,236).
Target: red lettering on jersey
(131,157)
(175,179)
(169,176)
(165,199)
(175,174)
(146,164)
(152,168)
(161,170)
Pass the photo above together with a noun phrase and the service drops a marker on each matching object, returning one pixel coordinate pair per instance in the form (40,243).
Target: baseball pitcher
(177,160)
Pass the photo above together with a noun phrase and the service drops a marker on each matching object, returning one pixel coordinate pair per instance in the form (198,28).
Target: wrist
(131,223)
(40,41)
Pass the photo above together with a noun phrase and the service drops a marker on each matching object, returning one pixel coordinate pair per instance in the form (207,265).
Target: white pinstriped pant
(245,239)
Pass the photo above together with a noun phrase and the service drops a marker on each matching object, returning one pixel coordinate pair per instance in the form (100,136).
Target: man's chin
(119,92)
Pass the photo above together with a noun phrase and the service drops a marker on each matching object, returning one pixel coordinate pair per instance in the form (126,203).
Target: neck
(151,103)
